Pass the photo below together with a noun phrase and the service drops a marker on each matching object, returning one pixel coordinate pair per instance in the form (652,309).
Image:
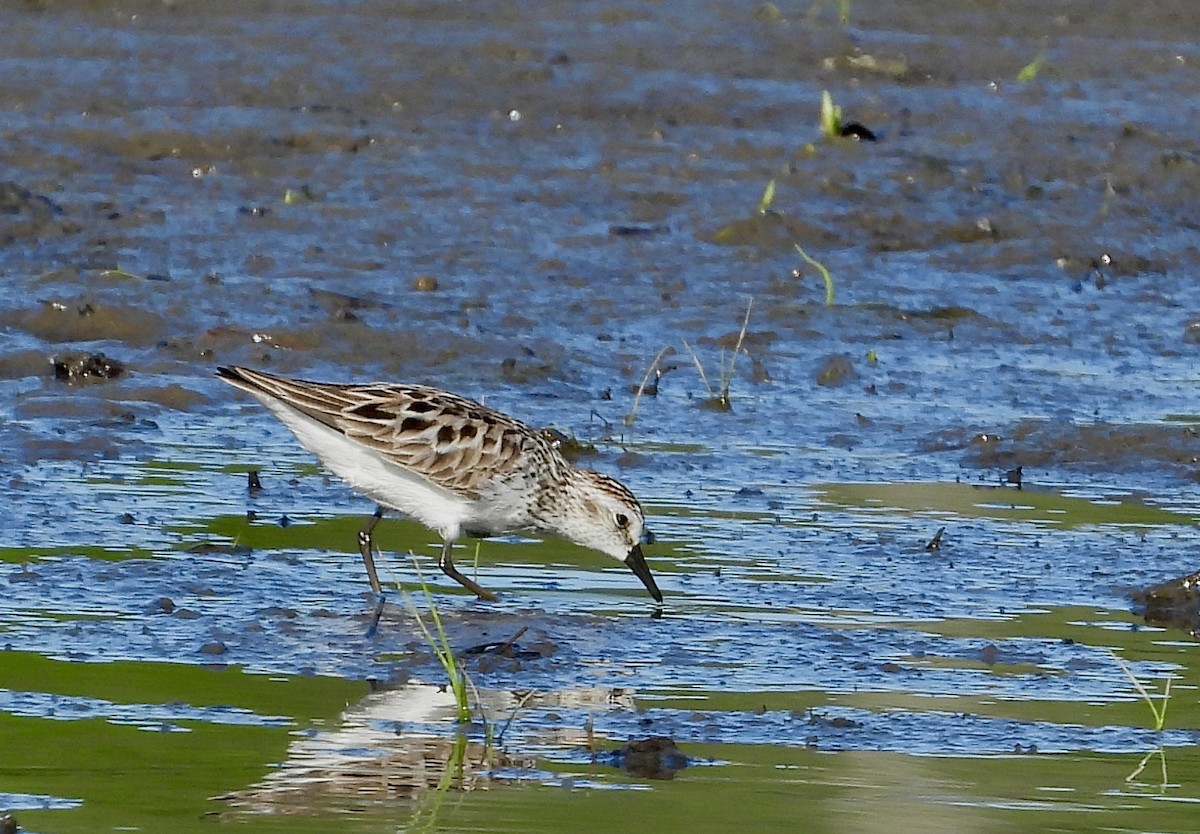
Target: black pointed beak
(637,564)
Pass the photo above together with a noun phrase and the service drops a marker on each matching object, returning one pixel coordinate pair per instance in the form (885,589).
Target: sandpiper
(455,465)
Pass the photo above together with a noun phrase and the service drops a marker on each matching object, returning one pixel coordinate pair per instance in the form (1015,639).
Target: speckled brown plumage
(456,443)
(452,463)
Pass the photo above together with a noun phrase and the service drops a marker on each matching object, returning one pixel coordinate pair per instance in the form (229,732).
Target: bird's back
(454,443)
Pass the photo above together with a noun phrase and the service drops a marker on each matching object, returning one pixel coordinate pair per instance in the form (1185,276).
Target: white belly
(391,485)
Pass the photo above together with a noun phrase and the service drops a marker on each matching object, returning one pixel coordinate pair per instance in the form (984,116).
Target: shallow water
(526,204)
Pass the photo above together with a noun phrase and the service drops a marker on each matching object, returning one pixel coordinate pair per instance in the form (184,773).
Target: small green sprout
(831,116)
(768,197)
(1030,71)
(719,398)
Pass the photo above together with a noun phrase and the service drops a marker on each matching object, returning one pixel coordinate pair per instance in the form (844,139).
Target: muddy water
(527,204)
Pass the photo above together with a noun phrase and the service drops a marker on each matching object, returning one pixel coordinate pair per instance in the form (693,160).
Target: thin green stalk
(1158,710)
(589,728)
(1137,771)
(637,398)
(820,267)
(525,699)
(727,372)
(700,370)
(442,649)
(488,725)
(426,816)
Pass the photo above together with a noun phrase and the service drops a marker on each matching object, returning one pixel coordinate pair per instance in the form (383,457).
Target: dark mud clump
(1099,447)
(25,215)
(655,757)
(571,448)
(1172,604)
(86,367)
(835,371)
(87,320)
(174,396)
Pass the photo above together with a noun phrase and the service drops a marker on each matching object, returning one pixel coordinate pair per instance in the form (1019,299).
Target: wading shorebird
(458,467)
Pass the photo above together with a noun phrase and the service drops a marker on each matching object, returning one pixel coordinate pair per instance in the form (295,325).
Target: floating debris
(857,132)
(1013,477)
(936,542)
(507,648)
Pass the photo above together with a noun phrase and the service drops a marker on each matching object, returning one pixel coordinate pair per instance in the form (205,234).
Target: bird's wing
(455,443)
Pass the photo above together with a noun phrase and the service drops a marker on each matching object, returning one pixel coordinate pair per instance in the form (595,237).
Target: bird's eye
(622,520)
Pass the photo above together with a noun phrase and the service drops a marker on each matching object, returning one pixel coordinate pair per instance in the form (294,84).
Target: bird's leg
(376,616)
(365,546)
(447,566)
